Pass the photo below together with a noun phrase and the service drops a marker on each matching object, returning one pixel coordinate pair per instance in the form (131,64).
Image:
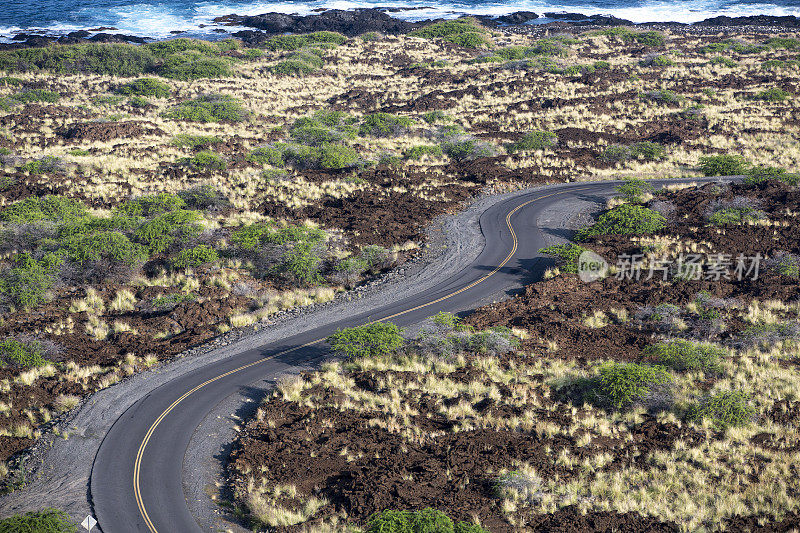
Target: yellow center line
(138,464)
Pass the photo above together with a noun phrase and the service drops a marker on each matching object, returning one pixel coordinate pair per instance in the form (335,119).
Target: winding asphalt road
(136,480)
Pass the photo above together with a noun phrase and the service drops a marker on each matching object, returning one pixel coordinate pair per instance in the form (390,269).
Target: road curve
(136,479)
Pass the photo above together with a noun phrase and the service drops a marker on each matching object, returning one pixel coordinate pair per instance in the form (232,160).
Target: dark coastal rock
(594,20)
(512,19)
(251,37)
(27,40)
(117,38)
(351,23)
(787,21)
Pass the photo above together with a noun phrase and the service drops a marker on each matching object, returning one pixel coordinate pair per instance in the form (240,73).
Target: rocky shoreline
(358,21)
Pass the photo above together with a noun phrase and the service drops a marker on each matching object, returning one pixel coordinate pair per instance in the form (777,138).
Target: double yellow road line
(141,453)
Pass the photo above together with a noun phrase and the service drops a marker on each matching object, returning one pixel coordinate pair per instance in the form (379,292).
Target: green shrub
(205,197)
(466,33)
(464,148)
(301,263)
(723,165)
(254,235)
(169,229)
(418,152)
(734,215)
(37,95)
(759,174)
(773,94)
(648,151)
(139,102)
(337,156)
(296,42)
(534,140)
(47,164)
(297,64)
(27,282)
(195,141)
(724,61)
(424,521)
(37,208)
(152,205)
(193,65)
(194,257)
(783,43)
(106,59)
(682,355)
(19,354)
(623,384)
(634,190)
(266,155)
(370,36)
(663,96)
(171,301)
(568,253)
(205,160)
(10,81)
(660,61)
(370,340)
(625,219)
(432,117)
(616,153)
(209,108)
(45,521)
(384,124)
(786,264)
(724,409)
(146,87)
(181,44)
(104,245)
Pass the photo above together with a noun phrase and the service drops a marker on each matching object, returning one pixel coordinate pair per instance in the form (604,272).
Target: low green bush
(783,43)
(634,190)
(463,32)
(298,64)
(194,257)
(370,36)
(46,165)
(21,354)
(139,102)
(623,384)
(424,521)
(418,152)
(252,236)
(205,198)
(151,205)
(43,208)
(723,165)
(568,253)
(625,219)
(724,61)
(534,140)
(724,409)
(195,141)
(663,96)
(786,264)
(683,355)
(432,117)
(111,246)
(105,59)
(735,215)
(146,87)
(205,160)
(37,95)
(170,229)
(337,157)
(192,65)
(45,521)
(301,263)
(760,174)
(774,94)
(384,124)
(26,283)
(10,81)
(209,108)
(464,148)
(370,340)
(171,301)
(266,155)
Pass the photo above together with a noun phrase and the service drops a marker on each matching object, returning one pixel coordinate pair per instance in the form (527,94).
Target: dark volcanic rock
(351,23)
(756,20)
(594,20)
(512,19)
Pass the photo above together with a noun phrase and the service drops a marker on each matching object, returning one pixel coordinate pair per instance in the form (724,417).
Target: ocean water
(157,18)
